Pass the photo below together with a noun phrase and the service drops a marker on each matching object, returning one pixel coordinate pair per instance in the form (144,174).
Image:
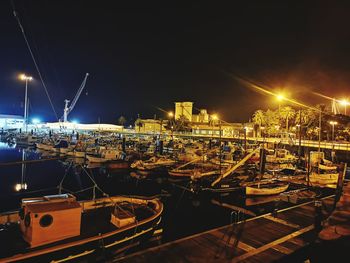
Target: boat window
(46,220)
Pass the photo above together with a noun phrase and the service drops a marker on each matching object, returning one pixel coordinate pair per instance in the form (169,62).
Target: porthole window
(46,220)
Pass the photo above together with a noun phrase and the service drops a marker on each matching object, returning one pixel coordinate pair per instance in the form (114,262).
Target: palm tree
(122,121)
(287,113)
(138,123)
(259,118)
(272,121)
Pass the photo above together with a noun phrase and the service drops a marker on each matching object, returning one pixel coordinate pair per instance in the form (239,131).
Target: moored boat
(324,175)
(59,228)
(266,188)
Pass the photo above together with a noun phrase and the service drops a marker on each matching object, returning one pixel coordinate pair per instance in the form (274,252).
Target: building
(183,109)
(202,117)
(11,121)
(150,126)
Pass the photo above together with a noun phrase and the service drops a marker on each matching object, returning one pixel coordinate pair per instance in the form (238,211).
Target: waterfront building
(183,109)
(11,121)
(150,126)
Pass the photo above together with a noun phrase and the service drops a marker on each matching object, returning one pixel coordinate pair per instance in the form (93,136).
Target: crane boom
(67,109)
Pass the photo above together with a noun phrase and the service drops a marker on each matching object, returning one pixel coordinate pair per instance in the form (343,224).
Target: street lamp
(280,97)
(333,123)
(25,78)
(344,103)
(171,115)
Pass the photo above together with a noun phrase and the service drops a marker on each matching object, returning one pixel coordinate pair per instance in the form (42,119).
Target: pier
(265,238)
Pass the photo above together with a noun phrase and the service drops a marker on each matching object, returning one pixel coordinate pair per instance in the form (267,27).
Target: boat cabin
(50,218)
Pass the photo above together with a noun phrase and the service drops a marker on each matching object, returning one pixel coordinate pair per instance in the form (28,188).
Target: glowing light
(36,120)
(333,123)
(280,97)
(344,102)
(25,77)
(170,114)
(19,187)
(75,121)
(215,117)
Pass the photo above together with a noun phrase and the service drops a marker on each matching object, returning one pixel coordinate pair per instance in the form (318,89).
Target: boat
(281,156)
(60,228)
(323,171)
(105,156)
(324,174)
(266,188)
(152,163)
(26,139)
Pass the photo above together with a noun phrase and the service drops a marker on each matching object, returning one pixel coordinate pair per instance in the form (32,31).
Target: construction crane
(67,109)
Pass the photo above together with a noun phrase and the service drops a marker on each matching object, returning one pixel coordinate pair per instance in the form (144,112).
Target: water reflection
(22,185)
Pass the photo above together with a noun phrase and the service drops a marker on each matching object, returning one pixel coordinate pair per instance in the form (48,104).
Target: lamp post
(171,115)
(280,97)
(344,103)
(25,78)
(333,123)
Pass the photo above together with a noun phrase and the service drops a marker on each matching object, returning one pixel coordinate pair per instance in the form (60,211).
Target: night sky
(144,57)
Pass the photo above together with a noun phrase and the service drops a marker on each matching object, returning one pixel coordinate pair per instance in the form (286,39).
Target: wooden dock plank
(261,240)
(271,244)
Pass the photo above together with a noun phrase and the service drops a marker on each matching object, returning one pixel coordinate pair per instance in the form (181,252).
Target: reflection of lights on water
(19,187)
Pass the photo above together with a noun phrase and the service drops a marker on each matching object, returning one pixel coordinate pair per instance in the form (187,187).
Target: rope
(15,14)
(32,161)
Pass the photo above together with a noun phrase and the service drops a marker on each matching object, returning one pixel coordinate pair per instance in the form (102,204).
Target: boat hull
(93,246)
(263,190)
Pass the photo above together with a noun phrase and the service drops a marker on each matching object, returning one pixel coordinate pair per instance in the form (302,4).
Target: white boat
(105,156)
(270,188)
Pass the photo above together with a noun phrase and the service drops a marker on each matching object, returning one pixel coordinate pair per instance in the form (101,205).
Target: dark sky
(145,56)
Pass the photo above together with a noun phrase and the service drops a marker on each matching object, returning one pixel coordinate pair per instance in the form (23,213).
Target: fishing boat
(60,228)
(324,174)
(105,156)
(281,156)
(266,188)
(26,139)
(323,171)
(152,164)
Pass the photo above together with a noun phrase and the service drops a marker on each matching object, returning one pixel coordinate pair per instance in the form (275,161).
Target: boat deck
(262,239)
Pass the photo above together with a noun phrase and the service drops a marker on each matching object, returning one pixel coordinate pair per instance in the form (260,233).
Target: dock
(265,238)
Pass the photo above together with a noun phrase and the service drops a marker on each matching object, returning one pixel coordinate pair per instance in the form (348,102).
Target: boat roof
(49,206)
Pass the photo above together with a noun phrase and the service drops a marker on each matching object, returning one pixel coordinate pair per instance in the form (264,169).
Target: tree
(287,113)
(182,124)
(122,120)
(138,123)
(272,121)
(259,118)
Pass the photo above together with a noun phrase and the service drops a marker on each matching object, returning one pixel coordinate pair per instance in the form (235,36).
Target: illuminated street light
(280,97)
(344,103)
(25,78)
(170,114)
(214,117)
(36,121)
